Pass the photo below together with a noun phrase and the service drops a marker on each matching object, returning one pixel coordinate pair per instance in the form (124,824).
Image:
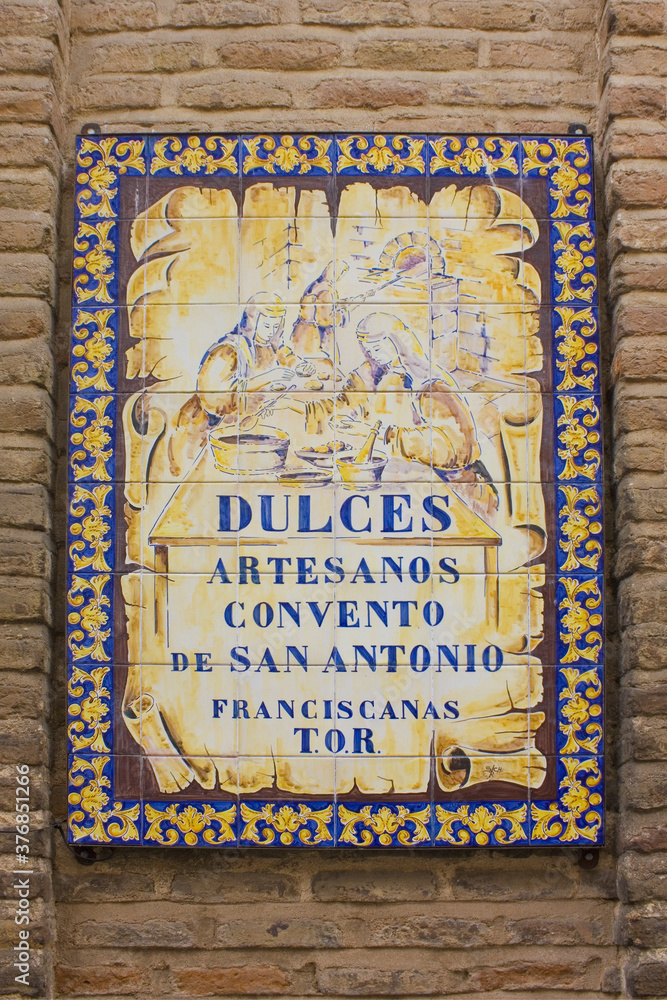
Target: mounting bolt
(577,128)
(588,858)
(91,128)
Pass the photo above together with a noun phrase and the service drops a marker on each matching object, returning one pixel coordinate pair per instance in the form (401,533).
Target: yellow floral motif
(384,822)
(92,529)
(90,714)
(578,711)
(96,350)
(566,159)
(95,261)
(573,348)
(285,821)
(576,437)
(580,626)
(572,261)
(94,437)
(577,527)
(475,157)
(288,157)
(101,176)
(481,822)
(192,822)
(578,801)
(193,157)
(380,156)
(90,616)
(116,823)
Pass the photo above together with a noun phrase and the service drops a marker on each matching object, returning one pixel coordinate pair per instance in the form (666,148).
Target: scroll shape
(380,155)
(577,527)
(580,622)
(91,712)
(492,155)
(95,262)
(565,162)
(502,826)
(102,161)
(578,814)
(90,615)
(579,436)
(578,711)
(387,825)
(286,822)
(116,823)
(194,822)
(193,157)
(575,350)
(288,158)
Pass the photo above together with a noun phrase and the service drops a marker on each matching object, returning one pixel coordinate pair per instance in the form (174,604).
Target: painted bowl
(249,453)
(363,475)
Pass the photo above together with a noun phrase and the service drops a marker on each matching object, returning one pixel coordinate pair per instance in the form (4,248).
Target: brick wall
(233,923)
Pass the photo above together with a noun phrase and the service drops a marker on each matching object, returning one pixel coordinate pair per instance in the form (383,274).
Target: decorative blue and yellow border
(575,816)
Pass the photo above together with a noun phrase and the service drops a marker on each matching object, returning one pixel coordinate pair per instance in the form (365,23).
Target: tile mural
(335,488)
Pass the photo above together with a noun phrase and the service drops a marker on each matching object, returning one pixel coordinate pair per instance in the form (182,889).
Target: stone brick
(640,358)
(644,739)
(24,318)
(489,15)
(102,887)
(634,452)
(643,599)
(631,185)
(99,16)
(282,932)
(357,93)
(640,408)
(21,233)
(249,979)
(28,190)
(26,741)
(351,13)
(235,887)
(557,930)
(510,883)
(354,885)
(647,978)
(446,55)
(640,314)
(24,600)
(25,554)
(642,877)
(25,408)
(24,647)
(546,55)
(305,54)
(635,100)
(100,980)
(213,14)
(537,975)
(641,504)
(26,274)
(645,927)
(29,55)
(23,696)
(129,934)
(151,56)
(24,507)
(423,931)
(20,102)
(643,832)
(26,458)
(27,145)
(40,18)
(637,59)
(636,17)
(351,981)
(108,92)
(24,362)
(234,94)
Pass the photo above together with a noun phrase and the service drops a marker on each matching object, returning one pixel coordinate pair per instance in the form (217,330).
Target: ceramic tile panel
(334,544)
